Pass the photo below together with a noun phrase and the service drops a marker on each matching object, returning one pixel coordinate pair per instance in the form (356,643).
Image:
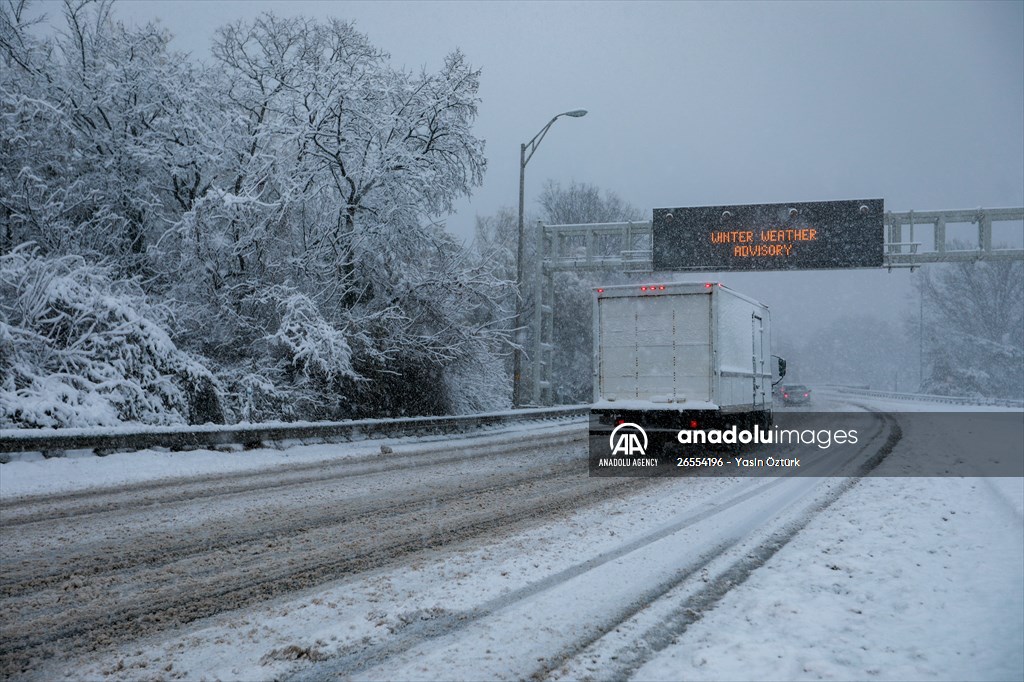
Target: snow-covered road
(497,557)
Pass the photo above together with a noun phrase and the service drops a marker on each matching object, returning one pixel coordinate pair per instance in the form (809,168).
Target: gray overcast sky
(690,104)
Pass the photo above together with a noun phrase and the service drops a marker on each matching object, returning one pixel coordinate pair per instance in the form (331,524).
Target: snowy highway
(295,385)
(496,556)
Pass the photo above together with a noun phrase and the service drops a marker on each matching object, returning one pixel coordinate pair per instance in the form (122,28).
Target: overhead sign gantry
(843,237)
(811,235)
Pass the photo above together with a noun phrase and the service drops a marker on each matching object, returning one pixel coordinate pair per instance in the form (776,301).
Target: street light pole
(524,158)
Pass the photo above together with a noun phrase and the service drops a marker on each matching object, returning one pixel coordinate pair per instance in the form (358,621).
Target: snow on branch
(78,348)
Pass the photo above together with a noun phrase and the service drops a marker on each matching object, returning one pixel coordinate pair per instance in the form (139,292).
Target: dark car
(795,394)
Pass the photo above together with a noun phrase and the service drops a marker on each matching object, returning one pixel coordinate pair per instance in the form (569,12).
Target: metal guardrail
(255,435)
(930,397)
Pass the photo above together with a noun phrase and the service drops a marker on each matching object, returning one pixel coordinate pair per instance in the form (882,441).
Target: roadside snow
(897,405)
(902,579)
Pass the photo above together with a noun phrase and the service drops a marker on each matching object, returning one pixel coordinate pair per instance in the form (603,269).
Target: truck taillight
(707,285)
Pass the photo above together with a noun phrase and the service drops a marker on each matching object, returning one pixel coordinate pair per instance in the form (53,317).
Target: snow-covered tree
(583,203)
(494,249)
(80,348)
(340,171)
(974,328)
(281,205)
(93,123)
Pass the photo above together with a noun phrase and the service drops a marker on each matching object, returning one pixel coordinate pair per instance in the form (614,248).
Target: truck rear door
(655,348)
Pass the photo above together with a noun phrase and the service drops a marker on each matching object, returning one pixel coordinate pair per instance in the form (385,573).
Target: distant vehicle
(680,355)
(795,394)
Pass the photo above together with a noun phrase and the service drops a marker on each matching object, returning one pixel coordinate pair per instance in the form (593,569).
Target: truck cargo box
(666,355)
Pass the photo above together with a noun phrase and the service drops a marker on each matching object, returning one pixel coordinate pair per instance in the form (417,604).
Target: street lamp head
(576,113)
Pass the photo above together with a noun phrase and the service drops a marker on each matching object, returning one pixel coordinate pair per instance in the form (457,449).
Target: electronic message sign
(809,235)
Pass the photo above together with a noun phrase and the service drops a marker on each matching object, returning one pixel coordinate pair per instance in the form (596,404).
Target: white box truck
(680,355)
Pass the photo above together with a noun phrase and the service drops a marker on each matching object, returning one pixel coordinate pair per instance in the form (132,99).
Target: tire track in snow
(726,573)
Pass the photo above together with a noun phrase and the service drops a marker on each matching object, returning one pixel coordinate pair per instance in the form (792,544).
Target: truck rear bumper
(668,423)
